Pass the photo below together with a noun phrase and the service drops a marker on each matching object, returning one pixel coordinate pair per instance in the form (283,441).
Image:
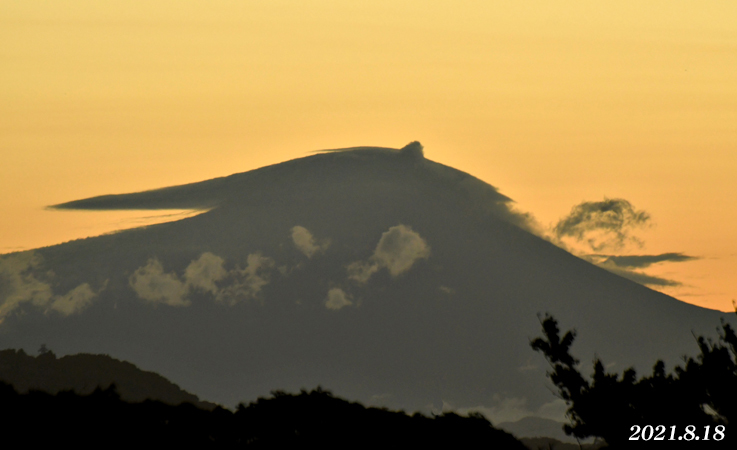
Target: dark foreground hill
(381,275)
(84,373)
(313,419)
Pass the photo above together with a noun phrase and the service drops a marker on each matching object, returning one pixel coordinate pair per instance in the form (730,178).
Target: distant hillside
(531,427)
(83,373)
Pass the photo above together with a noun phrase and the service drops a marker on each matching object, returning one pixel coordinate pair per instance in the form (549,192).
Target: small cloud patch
(74,301)
(247,283)
(361,271)
(337,299)
(151,284)
(397,251)
(205,272)
(306,243)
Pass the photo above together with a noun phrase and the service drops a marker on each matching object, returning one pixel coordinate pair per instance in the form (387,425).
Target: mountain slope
(376,273)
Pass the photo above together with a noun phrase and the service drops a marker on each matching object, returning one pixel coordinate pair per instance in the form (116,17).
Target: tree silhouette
(309,419)
(702,393)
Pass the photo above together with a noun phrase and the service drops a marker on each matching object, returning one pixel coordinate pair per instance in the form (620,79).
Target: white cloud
(18,285)
(205,271)
(337,299)
(152,284)
(399,248)
(305,242)
(397,251)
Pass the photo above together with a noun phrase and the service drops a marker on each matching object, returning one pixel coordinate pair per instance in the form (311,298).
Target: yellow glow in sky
(553,102)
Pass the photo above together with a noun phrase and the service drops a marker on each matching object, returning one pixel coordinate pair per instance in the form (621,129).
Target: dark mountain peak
(413,150)
(356,172)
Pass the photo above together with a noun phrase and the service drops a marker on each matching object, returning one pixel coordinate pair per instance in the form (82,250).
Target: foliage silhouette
(701,393)
(313,418)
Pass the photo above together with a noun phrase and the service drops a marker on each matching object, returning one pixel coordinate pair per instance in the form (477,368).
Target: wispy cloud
(397,251)
(642,278)
(602,225)
(609,225)
(627,266)
(642,261)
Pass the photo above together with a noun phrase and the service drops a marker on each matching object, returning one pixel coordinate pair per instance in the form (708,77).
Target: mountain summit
(373,272)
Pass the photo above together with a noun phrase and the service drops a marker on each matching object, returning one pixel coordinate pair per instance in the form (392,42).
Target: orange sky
(553,102)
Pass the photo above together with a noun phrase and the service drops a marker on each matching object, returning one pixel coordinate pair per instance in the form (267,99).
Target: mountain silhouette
(377,273)
(315,418)
(83,373)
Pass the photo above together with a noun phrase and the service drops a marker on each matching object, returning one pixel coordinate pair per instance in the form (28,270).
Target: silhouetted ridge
(83,373)
(313,418)
(356,168)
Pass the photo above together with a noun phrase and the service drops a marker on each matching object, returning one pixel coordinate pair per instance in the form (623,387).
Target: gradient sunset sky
(554,103)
